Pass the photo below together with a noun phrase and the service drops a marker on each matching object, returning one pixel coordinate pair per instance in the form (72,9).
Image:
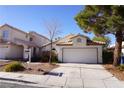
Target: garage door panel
(83,55)
(3,52)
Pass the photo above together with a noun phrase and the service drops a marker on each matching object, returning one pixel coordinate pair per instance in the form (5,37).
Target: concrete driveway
(83,75)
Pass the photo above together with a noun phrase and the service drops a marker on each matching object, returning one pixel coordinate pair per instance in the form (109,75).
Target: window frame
(5,35)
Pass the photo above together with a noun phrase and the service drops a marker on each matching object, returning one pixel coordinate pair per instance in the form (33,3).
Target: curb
(17,80)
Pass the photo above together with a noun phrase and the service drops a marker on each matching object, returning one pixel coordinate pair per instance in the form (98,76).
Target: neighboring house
(112,47)
(14,43)
(77,48)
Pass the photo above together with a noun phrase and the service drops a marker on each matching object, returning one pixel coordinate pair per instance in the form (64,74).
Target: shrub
(46,55)
(14,66)
(107,56)
(121,67)
(54,58)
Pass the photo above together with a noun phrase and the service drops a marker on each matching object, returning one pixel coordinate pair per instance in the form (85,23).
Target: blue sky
(31,18)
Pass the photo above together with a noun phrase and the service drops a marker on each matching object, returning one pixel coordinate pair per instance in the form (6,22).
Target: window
(5,35)
(31,39)
(79,40)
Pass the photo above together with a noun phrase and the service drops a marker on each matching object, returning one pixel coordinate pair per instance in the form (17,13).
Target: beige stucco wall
(39,39)
(14,33)
(82,43)
(100,50)
(48,47)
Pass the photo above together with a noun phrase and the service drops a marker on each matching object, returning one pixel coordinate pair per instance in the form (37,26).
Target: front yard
(42,68)
(116,71)
(32,68)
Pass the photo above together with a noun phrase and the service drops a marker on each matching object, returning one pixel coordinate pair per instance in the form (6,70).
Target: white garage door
(3,52)
(80,55)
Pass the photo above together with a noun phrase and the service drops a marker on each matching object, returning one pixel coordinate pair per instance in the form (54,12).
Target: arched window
(79,40)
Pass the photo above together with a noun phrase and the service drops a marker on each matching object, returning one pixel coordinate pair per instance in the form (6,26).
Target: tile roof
(90,42)
(62,40)
(67,40)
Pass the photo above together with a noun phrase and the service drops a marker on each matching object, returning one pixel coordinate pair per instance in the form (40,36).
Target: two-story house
(78,49)
(14,43)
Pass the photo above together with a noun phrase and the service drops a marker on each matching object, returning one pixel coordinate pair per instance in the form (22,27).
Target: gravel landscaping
(32,68)
(115,71)
(2,64)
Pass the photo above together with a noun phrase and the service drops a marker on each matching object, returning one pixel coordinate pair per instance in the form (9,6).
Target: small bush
(121,67)
(13,67)
(54,58)
(107,56)
(46,55)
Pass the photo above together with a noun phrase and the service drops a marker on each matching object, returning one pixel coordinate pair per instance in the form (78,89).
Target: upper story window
(31,39)
(79,40)
(5,35)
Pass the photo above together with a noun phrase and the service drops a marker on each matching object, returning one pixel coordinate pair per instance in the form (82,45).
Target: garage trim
(79,48)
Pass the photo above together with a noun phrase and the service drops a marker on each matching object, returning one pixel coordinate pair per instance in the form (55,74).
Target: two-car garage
(81,55)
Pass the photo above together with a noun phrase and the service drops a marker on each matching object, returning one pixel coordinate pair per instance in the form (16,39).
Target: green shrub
(46,55)
(107,56)
(54,60)
(121,67)
(14,66)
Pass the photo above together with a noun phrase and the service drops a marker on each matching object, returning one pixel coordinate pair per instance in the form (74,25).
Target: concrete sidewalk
(72,76)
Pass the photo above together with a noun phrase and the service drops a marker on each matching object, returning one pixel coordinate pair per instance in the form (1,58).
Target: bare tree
(1,38)
(53,30)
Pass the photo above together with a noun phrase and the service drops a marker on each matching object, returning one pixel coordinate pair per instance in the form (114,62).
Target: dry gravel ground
(38,68)
(32,68)
(2,64)
(115,71)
